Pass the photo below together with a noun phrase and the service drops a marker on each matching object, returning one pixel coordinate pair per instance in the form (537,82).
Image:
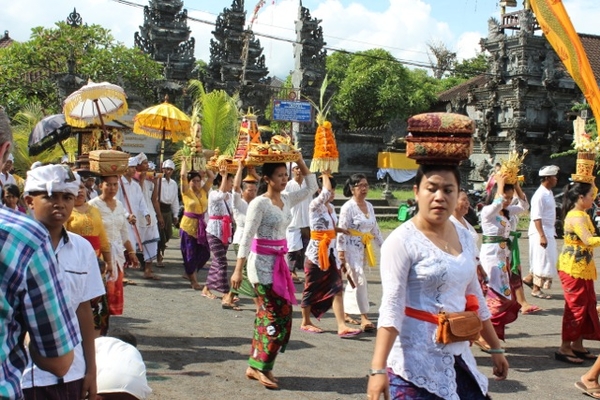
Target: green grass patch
(388,224)
(376,192)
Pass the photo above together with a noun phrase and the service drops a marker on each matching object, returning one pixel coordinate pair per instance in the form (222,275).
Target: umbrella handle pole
(106,137)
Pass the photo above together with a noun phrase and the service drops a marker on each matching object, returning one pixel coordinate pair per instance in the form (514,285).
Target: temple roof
(460,91)
(591,43)
(6,40)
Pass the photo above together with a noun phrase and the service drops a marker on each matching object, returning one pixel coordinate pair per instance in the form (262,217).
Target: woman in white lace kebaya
(264,245)
(356,248)
(428,264)
(323,279)
(219,232)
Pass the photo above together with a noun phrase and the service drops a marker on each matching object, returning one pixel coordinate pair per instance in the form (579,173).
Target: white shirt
(240,209)
(116,227)
(8,178)
(219,204)
(267,221)
(169,194)
(135,199)
(416,273)
(321,219)
(543,207)
(300,217)
(78,263)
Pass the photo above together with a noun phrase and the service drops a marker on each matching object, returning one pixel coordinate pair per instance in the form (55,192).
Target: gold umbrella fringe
(75,99)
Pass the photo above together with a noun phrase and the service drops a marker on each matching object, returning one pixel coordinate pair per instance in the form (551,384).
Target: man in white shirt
(543,254)
(50,194)
(298,231)
(168,193)
(5,175)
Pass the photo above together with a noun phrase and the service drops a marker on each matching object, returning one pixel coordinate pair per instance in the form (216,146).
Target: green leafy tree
(375,88)
(28,70)
(471,67)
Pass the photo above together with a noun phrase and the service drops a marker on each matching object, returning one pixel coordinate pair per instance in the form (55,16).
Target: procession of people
(103,226)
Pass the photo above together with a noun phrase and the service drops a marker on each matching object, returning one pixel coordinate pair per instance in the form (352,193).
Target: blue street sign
(295,111)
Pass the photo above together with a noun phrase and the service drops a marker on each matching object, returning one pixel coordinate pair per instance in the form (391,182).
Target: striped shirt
(31,299)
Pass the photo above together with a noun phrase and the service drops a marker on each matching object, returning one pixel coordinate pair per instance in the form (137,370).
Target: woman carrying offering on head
(263,244)
(496,254)
(355,248)
(577,273)
(192,228)
(427,266)
(323,284)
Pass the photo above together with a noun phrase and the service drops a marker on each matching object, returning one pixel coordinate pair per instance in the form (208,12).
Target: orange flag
(558,29)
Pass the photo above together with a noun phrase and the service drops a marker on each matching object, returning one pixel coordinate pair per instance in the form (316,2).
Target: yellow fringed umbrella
(94,104)
(163,121)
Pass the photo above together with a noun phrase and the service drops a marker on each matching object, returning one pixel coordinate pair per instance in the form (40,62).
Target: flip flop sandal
(229,306)
(368,327)
(311,329)
(209,296)
(567,358)
(531,310)
(585,355)
(541,295)
(592,392)
(347,333)
(350,320)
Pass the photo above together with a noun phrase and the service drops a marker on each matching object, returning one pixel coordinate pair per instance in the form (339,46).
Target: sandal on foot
(584,355)
(592,392)
(311,329)
(530,310)
(567,358)
(209,295)
(541,295)
(346,333)
(230,306)
(482,345)
(368,327)
(350,320)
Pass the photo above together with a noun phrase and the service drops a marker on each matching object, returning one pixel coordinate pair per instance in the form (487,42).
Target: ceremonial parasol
(94,104)
(163,121)
(47,133)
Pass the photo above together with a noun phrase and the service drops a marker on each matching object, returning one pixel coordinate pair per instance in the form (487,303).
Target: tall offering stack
(325,155)
(439,138)
(510,168)
(586,153)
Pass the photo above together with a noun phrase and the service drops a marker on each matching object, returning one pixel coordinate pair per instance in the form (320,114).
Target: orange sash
(324,238)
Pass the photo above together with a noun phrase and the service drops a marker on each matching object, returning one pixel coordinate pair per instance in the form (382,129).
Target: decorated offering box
(439,138)
(108,162)
(279,149)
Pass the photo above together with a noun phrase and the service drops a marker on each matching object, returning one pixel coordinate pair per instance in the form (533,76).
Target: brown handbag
(452,327)
(458,327)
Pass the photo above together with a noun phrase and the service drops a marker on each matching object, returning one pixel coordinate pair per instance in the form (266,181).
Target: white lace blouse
(265,220)
(351,217)
(115,225)
(240,208)
(321,219)
(217,208)
(416,273)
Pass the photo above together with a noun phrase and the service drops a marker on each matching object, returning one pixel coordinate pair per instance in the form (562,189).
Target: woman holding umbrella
(194,244)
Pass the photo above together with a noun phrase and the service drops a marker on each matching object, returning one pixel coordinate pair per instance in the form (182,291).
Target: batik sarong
(194,254)
(580,317)
(217,274)
(272,328)
(320,287)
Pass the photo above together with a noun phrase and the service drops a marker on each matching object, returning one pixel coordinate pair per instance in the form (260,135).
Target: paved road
(196,350)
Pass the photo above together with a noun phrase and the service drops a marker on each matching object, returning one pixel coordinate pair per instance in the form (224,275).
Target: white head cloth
(132,162)
(168,164)
(151,166)
(120,368)
(52,179)
(141,158)
(549,170)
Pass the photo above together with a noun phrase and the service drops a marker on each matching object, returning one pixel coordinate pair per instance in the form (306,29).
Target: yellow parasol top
(163,121)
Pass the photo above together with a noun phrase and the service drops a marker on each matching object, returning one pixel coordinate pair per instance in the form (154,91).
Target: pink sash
(282,279)
(226,231)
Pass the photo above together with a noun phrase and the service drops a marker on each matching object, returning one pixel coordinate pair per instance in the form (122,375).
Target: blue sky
(403,27)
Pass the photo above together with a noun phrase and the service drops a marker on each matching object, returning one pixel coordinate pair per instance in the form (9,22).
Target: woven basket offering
(439,138)
(584,167)
(108,162)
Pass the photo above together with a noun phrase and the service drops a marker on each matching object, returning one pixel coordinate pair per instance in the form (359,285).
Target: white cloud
(403,27)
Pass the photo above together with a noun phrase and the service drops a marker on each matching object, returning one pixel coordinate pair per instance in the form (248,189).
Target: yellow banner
(558,29)
(395,161)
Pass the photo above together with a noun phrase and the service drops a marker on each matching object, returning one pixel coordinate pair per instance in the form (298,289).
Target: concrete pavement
(196,350)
